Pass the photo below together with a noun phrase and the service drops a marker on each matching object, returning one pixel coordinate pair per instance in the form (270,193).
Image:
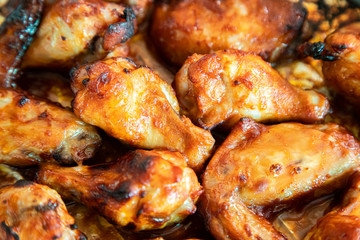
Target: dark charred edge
(50,206)
(317,51)
(139,161)
(16,33)
(121,193)
(122,31)
(23,100)
(23,183)
(10,233)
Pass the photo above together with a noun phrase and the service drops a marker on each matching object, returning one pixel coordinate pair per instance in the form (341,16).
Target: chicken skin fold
(344,221)
(260,165)
(16,34)
(33,211)
(141,190)
(223,87)
(180,28)
(133,104)
(79,31)
(34,131)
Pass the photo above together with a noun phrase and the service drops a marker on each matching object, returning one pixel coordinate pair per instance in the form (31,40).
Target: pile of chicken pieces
(121,118)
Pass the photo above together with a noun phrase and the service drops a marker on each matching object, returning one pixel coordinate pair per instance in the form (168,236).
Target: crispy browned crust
(260,165)
(141,190)
(133,104)
(343,74)
(16,34)
(33,211)
(222,87)
(33,131)
(182,28)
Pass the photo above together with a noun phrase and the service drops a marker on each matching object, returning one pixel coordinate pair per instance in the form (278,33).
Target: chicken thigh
(141,190)
(133,104)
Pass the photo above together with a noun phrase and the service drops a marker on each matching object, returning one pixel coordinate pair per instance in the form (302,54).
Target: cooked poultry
(72,30)
(141,190)
(48,85)
(16,34)
(343,74)
(133,104)
(34,131)
(227,85)
(260,165)
(8,176)
(265,27)
(33,211)
(344,221)
(141,8)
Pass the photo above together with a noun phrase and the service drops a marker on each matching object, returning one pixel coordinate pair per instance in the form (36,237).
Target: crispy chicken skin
(33,211)
(260,165)
(344,221)
(180,28)
(227,85)
(141,190)
(34,131)
(72,29)
(133,104)
(16,34)
(343,74)
(141,8)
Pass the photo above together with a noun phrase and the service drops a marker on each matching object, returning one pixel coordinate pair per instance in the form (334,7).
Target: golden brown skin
(8,176)
(16,34)
(344,221)
(34,131)
(33,211)
(133,104)
(141,8)
(260,165)
(227,85)
(141,190)
(343,74)
(182,28)
(72,30)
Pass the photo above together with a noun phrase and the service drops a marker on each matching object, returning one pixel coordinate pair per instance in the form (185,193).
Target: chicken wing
(71,30)
(344,221)
(16,34)
(133,104)
(260,165)
(33,131)
(266,27)
(227,85)
(141,190)
(343,74)
(142,8)
(33,211)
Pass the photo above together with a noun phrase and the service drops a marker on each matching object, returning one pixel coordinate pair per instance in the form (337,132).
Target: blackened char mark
(317,51)
(23,183)
(10,233)
(16,34)
(121,31)
(121,193)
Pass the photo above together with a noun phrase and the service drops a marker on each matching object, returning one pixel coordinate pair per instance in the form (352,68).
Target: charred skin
(16,34)
(141,190)
(76,32)
(260,165)
(265,27)
(34,131)
(134,105)
(222,87)
(33,211)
